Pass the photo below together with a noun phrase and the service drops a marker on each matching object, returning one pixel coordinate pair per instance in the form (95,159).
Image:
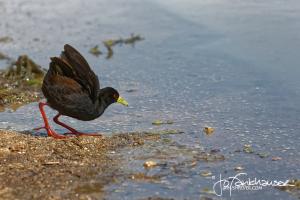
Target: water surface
(232,65)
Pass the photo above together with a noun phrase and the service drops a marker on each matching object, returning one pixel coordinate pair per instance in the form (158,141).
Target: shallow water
(231,64)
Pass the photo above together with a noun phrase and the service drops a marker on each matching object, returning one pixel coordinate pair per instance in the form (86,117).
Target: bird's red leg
(55,119)
(50,132)
(73,131)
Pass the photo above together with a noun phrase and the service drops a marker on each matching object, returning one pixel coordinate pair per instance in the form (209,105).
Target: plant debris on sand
(33,167)
(95,51)
(20,83)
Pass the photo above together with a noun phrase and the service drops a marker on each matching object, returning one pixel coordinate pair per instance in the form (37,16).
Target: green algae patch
(131,40)
(161,122)
(263,154)
(3,56)
(166,132)
(24,69)
(292,187)
(109,44)
(20,83)
(248,148)
(5,39)
(95,51)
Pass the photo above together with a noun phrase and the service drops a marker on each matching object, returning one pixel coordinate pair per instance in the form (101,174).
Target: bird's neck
(100,106)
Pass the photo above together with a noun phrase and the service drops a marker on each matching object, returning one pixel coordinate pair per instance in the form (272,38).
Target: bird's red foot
(51,133)
(76,133)
(39,128)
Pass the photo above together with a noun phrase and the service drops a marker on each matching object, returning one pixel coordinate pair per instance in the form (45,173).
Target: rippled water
(231,64)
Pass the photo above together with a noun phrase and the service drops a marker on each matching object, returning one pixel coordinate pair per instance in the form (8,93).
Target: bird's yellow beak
(122,101)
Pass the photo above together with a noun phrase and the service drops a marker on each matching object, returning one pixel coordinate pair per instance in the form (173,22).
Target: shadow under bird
(73,89)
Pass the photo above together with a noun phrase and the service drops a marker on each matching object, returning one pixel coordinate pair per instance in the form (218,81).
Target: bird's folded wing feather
(73,65)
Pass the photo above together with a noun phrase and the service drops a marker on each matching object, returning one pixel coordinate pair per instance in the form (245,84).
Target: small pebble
(239,168)
(275,158)
(150,163)
(208,130)
(206,173)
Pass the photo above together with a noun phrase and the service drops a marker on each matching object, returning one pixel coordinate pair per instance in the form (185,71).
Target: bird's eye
(115,96)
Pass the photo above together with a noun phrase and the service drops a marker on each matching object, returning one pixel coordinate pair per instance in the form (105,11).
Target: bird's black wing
(73,65)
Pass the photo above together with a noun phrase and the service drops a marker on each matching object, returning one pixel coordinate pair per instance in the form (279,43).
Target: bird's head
(111,95)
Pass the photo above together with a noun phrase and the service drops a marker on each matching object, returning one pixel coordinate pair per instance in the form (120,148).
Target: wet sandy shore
(34,167)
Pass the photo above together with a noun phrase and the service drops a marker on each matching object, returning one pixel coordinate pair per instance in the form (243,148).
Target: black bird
(72,88)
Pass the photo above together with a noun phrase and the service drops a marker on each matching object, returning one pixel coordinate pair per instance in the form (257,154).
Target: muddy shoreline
(34,167)
(20,83)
